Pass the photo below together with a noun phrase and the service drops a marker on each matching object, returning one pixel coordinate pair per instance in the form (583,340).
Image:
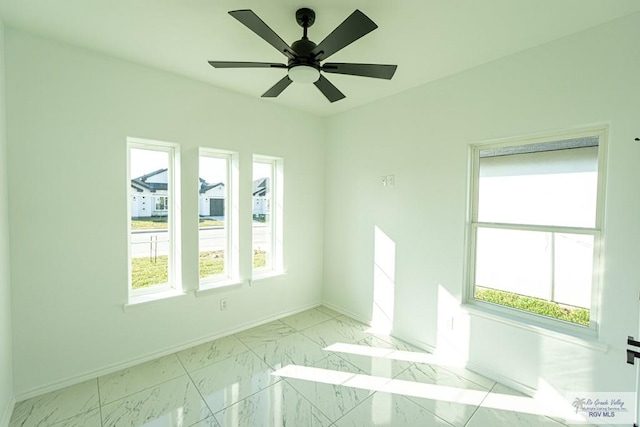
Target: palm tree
(578,403)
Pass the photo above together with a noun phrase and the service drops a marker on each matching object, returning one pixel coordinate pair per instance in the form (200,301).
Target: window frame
(276,266)
(173,286)
(231,273)
(514,314)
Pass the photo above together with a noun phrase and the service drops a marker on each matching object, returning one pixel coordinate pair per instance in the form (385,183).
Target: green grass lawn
(534,305)
(211,262)
(149,272)
(204,222)
(259,258)
(155,223)
(152,223)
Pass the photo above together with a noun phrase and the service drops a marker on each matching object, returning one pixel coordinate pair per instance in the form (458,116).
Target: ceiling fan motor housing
(304,68)
(303,49)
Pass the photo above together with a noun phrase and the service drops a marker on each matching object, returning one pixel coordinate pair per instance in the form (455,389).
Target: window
(153,232)
(536,228)
(218,213)
(162,203)
(267,215)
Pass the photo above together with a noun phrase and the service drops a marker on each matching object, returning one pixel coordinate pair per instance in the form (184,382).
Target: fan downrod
(305,17)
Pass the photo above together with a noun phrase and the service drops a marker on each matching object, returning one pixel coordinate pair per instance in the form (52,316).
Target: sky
(212,169)
(145,161)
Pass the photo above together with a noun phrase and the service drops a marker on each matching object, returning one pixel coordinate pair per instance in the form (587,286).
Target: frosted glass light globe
(304,74)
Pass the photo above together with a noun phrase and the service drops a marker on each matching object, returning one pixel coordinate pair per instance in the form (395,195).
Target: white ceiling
(427,39)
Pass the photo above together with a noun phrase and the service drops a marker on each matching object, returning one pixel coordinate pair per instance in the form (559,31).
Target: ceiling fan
(305,57)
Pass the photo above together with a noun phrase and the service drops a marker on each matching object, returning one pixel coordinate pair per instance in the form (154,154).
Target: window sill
(140,300)
(587,338)
(209,288)
(260,276)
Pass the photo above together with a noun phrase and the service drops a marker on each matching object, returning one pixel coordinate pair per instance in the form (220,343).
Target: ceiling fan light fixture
(304,74)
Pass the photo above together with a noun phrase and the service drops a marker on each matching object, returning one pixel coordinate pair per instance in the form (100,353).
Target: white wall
(422,137)
(6,365)
(69,114)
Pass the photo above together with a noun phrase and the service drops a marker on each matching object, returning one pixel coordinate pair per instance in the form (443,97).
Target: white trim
(529,391)
(472,224)
(174,283)
(89,375)
(217,286)
(347,313)
(501,379)
(558,134)
(473,367)
(146,299)
(231,272)
(276,265)
(8,411)
(538,228)
(264,275)
(587,339)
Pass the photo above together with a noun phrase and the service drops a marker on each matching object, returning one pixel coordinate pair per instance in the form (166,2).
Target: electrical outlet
(391,180)
(223,304)
(383,181)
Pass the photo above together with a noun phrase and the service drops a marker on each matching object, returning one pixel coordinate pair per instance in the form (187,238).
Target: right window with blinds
(535,228)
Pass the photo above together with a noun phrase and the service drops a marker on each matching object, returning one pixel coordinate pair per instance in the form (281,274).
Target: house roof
(205,186)
(261,187)
(141,184)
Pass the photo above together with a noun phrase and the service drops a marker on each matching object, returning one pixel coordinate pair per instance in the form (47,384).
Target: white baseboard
(494,376)
(416,343)
(522,388)
(76,379)
(501,379)
(347,313)
(53,386)
(6,414)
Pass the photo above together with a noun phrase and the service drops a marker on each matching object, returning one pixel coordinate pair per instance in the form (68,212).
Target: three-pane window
(154,218)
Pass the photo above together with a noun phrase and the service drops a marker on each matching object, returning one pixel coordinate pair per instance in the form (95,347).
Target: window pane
(262,219)
(556,188)
(213,207)
(149,238)
(514,261)
(573,269)
(545,273)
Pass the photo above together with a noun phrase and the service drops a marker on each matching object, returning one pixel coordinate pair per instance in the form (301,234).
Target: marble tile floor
(316,368)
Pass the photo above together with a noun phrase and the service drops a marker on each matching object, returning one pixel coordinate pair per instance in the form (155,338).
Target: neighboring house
(211,199)
(151,196)
(261,198)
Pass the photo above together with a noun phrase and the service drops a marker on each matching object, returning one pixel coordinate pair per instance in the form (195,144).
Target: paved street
(146,243)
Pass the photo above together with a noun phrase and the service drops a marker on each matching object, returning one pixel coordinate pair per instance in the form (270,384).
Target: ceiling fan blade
(230,64)
(257,25)
(277,88)
(351,29)
(328,89)
(378,71)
